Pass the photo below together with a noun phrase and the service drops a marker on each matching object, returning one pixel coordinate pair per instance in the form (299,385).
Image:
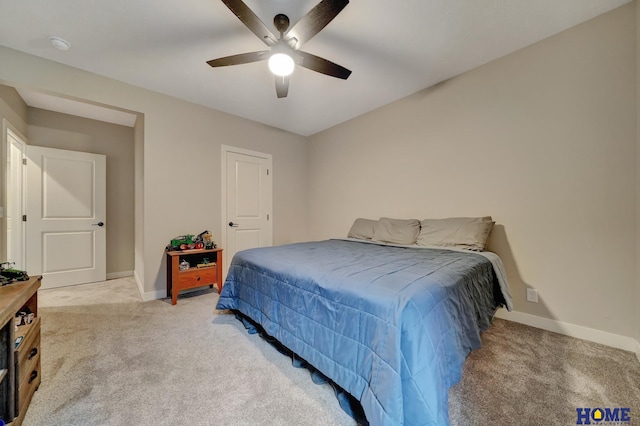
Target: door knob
(98,224)
(234,225)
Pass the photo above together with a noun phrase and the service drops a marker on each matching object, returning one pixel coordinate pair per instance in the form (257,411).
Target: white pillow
(469,233)
(362,229)
(397,231)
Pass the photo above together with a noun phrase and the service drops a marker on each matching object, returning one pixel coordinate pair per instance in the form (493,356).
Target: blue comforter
(390,325)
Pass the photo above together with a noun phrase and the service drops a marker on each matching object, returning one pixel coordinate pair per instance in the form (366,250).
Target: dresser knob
(33,353)
(33,375)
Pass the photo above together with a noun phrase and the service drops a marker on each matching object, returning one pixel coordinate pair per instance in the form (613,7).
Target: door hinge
(24,217)
(267,172)
(24,161)
(267,216)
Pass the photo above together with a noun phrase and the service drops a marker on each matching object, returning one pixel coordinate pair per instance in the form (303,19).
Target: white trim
(139,284)
(150,295)
(572,330)
(7,128)
(153,295)
(121,274)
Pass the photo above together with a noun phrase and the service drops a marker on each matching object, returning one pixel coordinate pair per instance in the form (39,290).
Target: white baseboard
(139,284)
(121,274)
(149,295)
(154,295)
(572,330)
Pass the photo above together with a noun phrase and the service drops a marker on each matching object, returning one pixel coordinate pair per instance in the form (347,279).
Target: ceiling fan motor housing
(281,22)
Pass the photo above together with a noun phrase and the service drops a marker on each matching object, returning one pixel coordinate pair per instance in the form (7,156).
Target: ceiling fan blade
(243,58)
(315,20)
(321,65)
(282,86)
(251,21)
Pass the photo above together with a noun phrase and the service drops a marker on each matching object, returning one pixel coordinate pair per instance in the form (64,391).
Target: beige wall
(13,108)
(543,140)
(637,299)
(63,131)
(13,114)
(181,154)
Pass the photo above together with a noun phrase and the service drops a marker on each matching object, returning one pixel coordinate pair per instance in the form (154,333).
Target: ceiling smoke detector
(59,43)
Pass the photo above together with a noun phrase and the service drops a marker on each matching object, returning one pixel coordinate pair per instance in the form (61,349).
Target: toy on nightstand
(206,239)
(183,242)
(8,274)
(203,240)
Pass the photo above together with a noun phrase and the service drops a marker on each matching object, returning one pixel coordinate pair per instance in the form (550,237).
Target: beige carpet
(526,376)
(109,359)
(122,290)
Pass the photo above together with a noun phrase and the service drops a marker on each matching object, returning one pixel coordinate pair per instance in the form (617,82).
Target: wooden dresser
(19,363)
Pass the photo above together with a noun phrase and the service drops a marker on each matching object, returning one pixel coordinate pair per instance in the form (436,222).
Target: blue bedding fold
(390,325)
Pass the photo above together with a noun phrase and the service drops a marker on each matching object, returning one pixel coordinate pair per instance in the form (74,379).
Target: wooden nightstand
(193,277)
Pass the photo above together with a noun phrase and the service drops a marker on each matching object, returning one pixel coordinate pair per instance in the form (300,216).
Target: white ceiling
(394,48)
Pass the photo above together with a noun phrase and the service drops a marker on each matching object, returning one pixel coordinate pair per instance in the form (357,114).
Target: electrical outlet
(532,295)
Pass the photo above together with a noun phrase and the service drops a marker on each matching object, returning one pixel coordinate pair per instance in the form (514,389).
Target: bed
(391,324)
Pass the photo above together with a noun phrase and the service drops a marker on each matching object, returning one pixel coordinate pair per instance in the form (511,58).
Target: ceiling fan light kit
(281,64)
(284,53)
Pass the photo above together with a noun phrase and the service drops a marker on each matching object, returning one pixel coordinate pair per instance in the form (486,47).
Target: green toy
(204,240)
(183,242)
(8,274)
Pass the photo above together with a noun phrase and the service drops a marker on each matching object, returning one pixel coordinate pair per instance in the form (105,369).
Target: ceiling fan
(283,53)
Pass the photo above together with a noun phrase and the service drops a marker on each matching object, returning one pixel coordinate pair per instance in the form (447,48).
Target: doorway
(15,201)
(57,121)
(246,201)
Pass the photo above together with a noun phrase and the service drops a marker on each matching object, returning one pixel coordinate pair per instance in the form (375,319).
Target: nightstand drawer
(197,277)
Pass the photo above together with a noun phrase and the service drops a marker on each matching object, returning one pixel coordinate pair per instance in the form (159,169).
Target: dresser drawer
(196,277)
(30,344)
(28,360)
(29,385)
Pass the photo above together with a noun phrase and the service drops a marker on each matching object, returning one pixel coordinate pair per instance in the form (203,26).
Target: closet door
(248,197)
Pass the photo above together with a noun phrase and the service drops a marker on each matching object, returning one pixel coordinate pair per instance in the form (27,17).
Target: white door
(15,199)
(66,211)
(247,183)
